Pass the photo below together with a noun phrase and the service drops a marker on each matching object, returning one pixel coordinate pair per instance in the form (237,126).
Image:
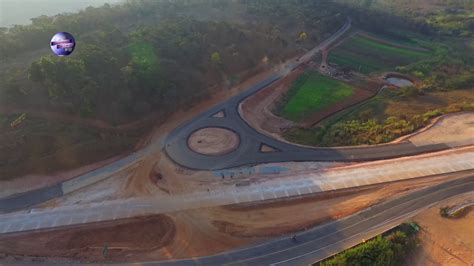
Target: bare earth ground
(454,127)
(196,232)
(213,141)
(445,241)
(123,237)
(257,109)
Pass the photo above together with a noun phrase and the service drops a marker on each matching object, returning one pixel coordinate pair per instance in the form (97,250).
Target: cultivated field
(367,55)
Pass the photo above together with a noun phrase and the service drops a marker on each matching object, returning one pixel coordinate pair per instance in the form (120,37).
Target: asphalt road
(248,152)
(33,197)
(299,185)
(331,238)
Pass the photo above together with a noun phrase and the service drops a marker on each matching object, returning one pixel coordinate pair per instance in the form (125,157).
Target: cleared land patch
(310,93)
(366,55)
(213,141)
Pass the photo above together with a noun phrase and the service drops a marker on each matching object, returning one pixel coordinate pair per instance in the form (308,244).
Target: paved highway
(289,185)
(248,152)
(329,239)
(37,196)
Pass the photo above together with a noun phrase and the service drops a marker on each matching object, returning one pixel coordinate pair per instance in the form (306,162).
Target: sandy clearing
(213,141)
(449,128)
(445,241)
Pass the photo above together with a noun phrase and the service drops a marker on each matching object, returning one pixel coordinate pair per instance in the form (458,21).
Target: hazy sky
(20,11)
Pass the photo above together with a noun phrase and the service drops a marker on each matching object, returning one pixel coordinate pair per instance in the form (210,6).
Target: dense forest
(134,65)
(146,56)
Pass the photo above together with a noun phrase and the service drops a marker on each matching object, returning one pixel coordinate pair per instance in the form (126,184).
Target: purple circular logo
(63,44)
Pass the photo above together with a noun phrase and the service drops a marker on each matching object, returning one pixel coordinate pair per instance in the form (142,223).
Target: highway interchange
(311,245)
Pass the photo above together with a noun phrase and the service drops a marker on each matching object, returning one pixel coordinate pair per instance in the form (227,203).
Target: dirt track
(445,241)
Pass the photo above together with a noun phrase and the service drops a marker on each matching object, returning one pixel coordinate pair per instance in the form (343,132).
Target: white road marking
(5,228)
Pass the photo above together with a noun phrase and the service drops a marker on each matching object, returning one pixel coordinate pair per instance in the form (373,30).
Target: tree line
(145,55)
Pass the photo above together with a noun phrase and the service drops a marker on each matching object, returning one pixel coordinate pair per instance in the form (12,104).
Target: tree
(303,36)
(216,58)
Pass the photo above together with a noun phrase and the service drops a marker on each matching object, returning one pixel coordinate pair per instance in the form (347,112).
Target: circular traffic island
(213,141)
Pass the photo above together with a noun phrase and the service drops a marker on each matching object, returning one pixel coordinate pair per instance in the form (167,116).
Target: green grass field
(367,56)
(310,93)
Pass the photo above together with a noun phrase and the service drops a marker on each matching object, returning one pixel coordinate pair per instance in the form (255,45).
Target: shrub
(382,250)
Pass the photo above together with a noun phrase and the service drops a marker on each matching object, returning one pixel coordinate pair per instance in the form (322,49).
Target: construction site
(221,183)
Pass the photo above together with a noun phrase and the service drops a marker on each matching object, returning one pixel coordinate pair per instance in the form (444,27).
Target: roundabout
(213,141)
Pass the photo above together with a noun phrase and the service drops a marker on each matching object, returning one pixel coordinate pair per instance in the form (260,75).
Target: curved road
(248,152)
(324,241)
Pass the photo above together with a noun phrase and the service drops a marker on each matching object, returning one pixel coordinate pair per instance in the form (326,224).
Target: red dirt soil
(445,241)
(123,239)
(213,141)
